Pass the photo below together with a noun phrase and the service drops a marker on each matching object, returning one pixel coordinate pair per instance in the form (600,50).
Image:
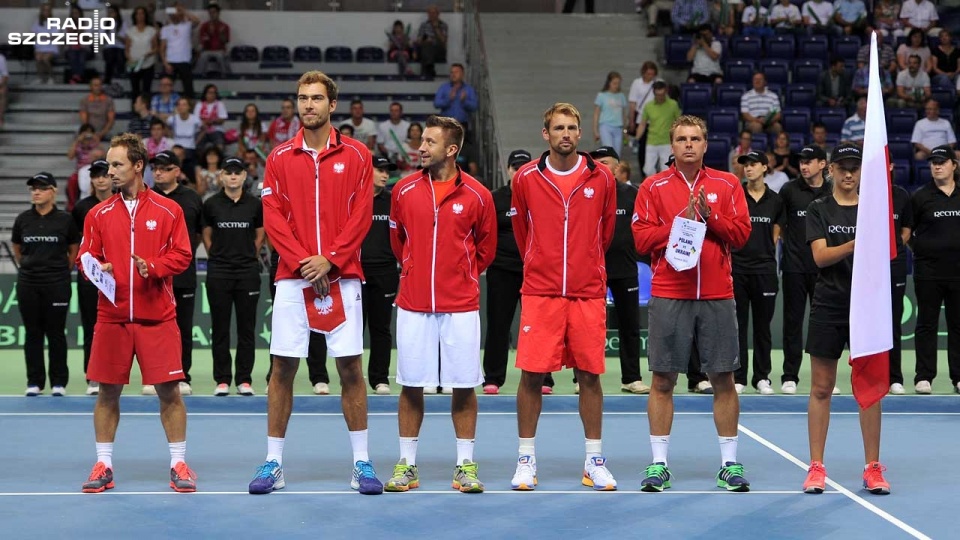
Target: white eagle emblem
(151,225)
(338,168)
(588,192)
(457,208)
(711,197)
(324,306)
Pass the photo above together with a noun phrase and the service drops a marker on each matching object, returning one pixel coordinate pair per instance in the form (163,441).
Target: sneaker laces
(366,469)
(267,469)
(731,471)
(817,467)
(183,472)
(400,469)
(656,470)
(526,466)
(874,472)
(469,470)
(600,474)
(99,471)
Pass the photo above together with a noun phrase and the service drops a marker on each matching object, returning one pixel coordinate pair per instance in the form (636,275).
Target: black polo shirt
(936,234)
(44,244)
(759,254)
(82,208)
(837,225)
(797,196)
(233,248)
(621,257)
(192,206)
(376,255)
(508,255)
(902,217)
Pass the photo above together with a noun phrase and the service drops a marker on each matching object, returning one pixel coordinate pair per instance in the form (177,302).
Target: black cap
(753,155)
(518,158)
(846,151)
(99,168)
(384,163)
(234,164)
(167,157)
(42,179)
(605,151)
(670,160)
(942,153)
(812,152)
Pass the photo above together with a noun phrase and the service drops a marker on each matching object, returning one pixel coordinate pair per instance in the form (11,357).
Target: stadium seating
(921,173)
(901,121)
(813,47)
(728,95)
(244,53)
(796,120)
(338,54)
(696,98)
(807,70)
(846,47)
(739,71)
(723,121)
(370,55)
(782,46)
(675,49)
(776,70)
(801,95)
(718,152)
(745,47)
(307,53)
(832,118)
(901,174)
(274,57)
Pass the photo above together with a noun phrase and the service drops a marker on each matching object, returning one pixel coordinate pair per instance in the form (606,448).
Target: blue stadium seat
(338,54)
(244,53)
(739,71)
(275,53)
(807,70)
(801,95)
(901,121)
(675,48)
(307,53)
(777,70)
(901,174)
(725,121)
(798,140)
(832,119)
(945,98)
(900,148)
(696,98)
(783,46)
(370,55)
(796,120)
(846,47)
(728,95)
(758,144)
(812,48)
(921,173)
(832,140)
(718,152)
(745,47)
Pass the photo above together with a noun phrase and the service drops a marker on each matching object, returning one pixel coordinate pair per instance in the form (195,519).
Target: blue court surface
(49,450)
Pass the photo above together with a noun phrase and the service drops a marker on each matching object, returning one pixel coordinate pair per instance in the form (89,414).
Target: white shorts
(291,333)
(424,338)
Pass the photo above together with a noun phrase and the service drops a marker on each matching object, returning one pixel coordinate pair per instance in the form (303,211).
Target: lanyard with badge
(686,241)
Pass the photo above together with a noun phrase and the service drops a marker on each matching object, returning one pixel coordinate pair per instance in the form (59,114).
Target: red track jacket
(442,248)
(318,204)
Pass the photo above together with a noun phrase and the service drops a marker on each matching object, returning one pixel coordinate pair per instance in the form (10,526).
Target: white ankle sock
(105,453)
(358,441)
(408,449)
(728,450)
(464,450)
(594,448)
(527,447)
(659,444)
(275,449)
(178,451)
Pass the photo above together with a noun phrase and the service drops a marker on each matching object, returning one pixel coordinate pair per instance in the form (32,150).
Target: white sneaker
(185,389)
(703,387)
(148,390)
(897,389)
(739,388)
(429,389)
(636,387)
(764,388)
(446,390)
(923,387)
(93,388)
(245,389)
(957,388)
(382,389)
(32,391)
(58,391)
(836,390)
(222,389)
(788,387)
(597,476)
(525,479)
(576,388)
(321,389)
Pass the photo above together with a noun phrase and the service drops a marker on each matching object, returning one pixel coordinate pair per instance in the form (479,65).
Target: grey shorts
(676,325)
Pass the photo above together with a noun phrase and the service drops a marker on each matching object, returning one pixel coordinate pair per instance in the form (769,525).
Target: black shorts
(827,340)
(674,326)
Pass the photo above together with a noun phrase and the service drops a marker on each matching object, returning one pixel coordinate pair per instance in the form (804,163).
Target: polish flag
(871,312)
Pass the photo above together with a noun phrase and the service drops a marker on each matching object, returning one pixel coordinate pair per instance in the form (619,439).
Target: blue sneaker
(656,478)
(269,478)
(365,479)
(731,478)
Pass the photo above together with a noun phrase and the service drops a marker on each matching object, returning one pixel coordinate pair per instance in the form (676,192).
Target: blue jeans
(611,136)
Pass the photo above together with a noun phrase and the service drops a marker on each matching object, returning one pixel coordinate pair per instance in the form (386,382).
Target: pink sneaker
(546,390)
(491,389)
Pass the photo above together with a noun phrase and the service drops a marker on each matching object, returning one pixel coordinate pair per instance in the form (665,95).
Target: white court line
(588,492)
(481,413)
(835,485)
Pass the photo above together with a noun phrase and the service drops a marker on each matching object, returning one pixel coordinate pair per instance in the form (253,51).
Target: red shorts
(557,332)
(157,347)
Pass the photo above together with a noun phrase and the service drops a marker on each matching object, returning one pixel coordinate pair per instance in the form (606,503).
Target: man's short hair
(316,76)
(134,145)
(459,65)
(452,129)
(356,101)
(560,108)
(398,104)
(167,76)
(691,121)
(157,122)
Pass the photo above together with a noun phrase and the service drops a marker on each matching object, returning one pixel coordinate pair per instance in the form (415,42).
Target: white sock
(464,450)
(178,451)
(728,450)
(275,449)
(659,444)
(408,449)
(527,447)
(594,448)
(105,453)
(358,441)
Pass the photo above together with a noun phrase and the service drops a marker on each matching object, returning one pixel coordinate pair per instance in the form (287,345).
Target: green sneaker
(465,478)
(405,477)
(656,478)
(731,478)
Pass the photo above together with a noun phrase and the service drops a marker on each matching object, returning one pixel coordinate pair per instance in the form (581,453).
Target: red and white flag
(871,311)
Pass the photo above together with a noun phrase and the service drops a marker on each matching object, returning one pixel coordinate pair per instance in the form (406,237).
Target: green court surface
(13,375)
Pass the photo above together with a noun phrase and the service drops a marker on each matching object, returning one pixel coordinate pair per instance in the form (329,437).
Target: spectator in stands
(96,109)
(432,42)
(849,17)
(943,61)
(657,118)
(114,57)
(913,85)
(833,89)
(688,15)
(654,7)
(186,174)
(885,53)
(164,104)
(252,161)
(399,49)
(176,47)
(364,129)
(207,172)
(610,114)
(775,179)
(568,6)
(915,45)
(44,54)
(75,53)
(457,99)
(785,18)
(186,127)
(212,114)
(641,93)
(705,53)
(818,138)
(214,39)
(83,145)
(252,135)
(817,16)
(886,16)
(4,76)
(411,147)
(140,122)
(756,20)
(861,79)
(853,127)
(921,15)
(142,46)
(760,108)
(391,133)
(723,16)
(78,185)
(931,131)
(784,160)
(284,127)
(744,147)
(155,143)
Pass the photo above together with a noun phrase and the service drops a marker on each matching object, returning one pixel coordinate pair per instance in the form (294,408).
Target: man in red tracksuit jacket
(564,214)
(443,229)
(317,208)
(692,305)
(141,239)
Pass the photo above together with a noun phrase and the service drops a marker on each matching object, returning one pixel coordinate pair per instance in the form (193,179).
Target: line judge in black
(45,242)
(903,228)
(232,235)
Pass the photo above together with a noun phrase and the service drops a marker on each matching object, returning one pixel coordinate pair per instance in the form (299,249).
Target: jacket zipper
(316,191)
(566,221)
(693,187)
(132,250)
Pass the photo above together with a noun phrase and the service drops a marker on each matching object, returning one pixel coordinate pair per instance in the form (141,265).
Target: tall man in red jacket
(692,294)
(443,227)
(564,213)
(317,208)
(140,237)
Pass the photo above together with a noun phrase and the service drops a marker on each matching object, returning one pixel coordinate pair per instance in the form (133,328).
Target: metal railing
(486,137)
